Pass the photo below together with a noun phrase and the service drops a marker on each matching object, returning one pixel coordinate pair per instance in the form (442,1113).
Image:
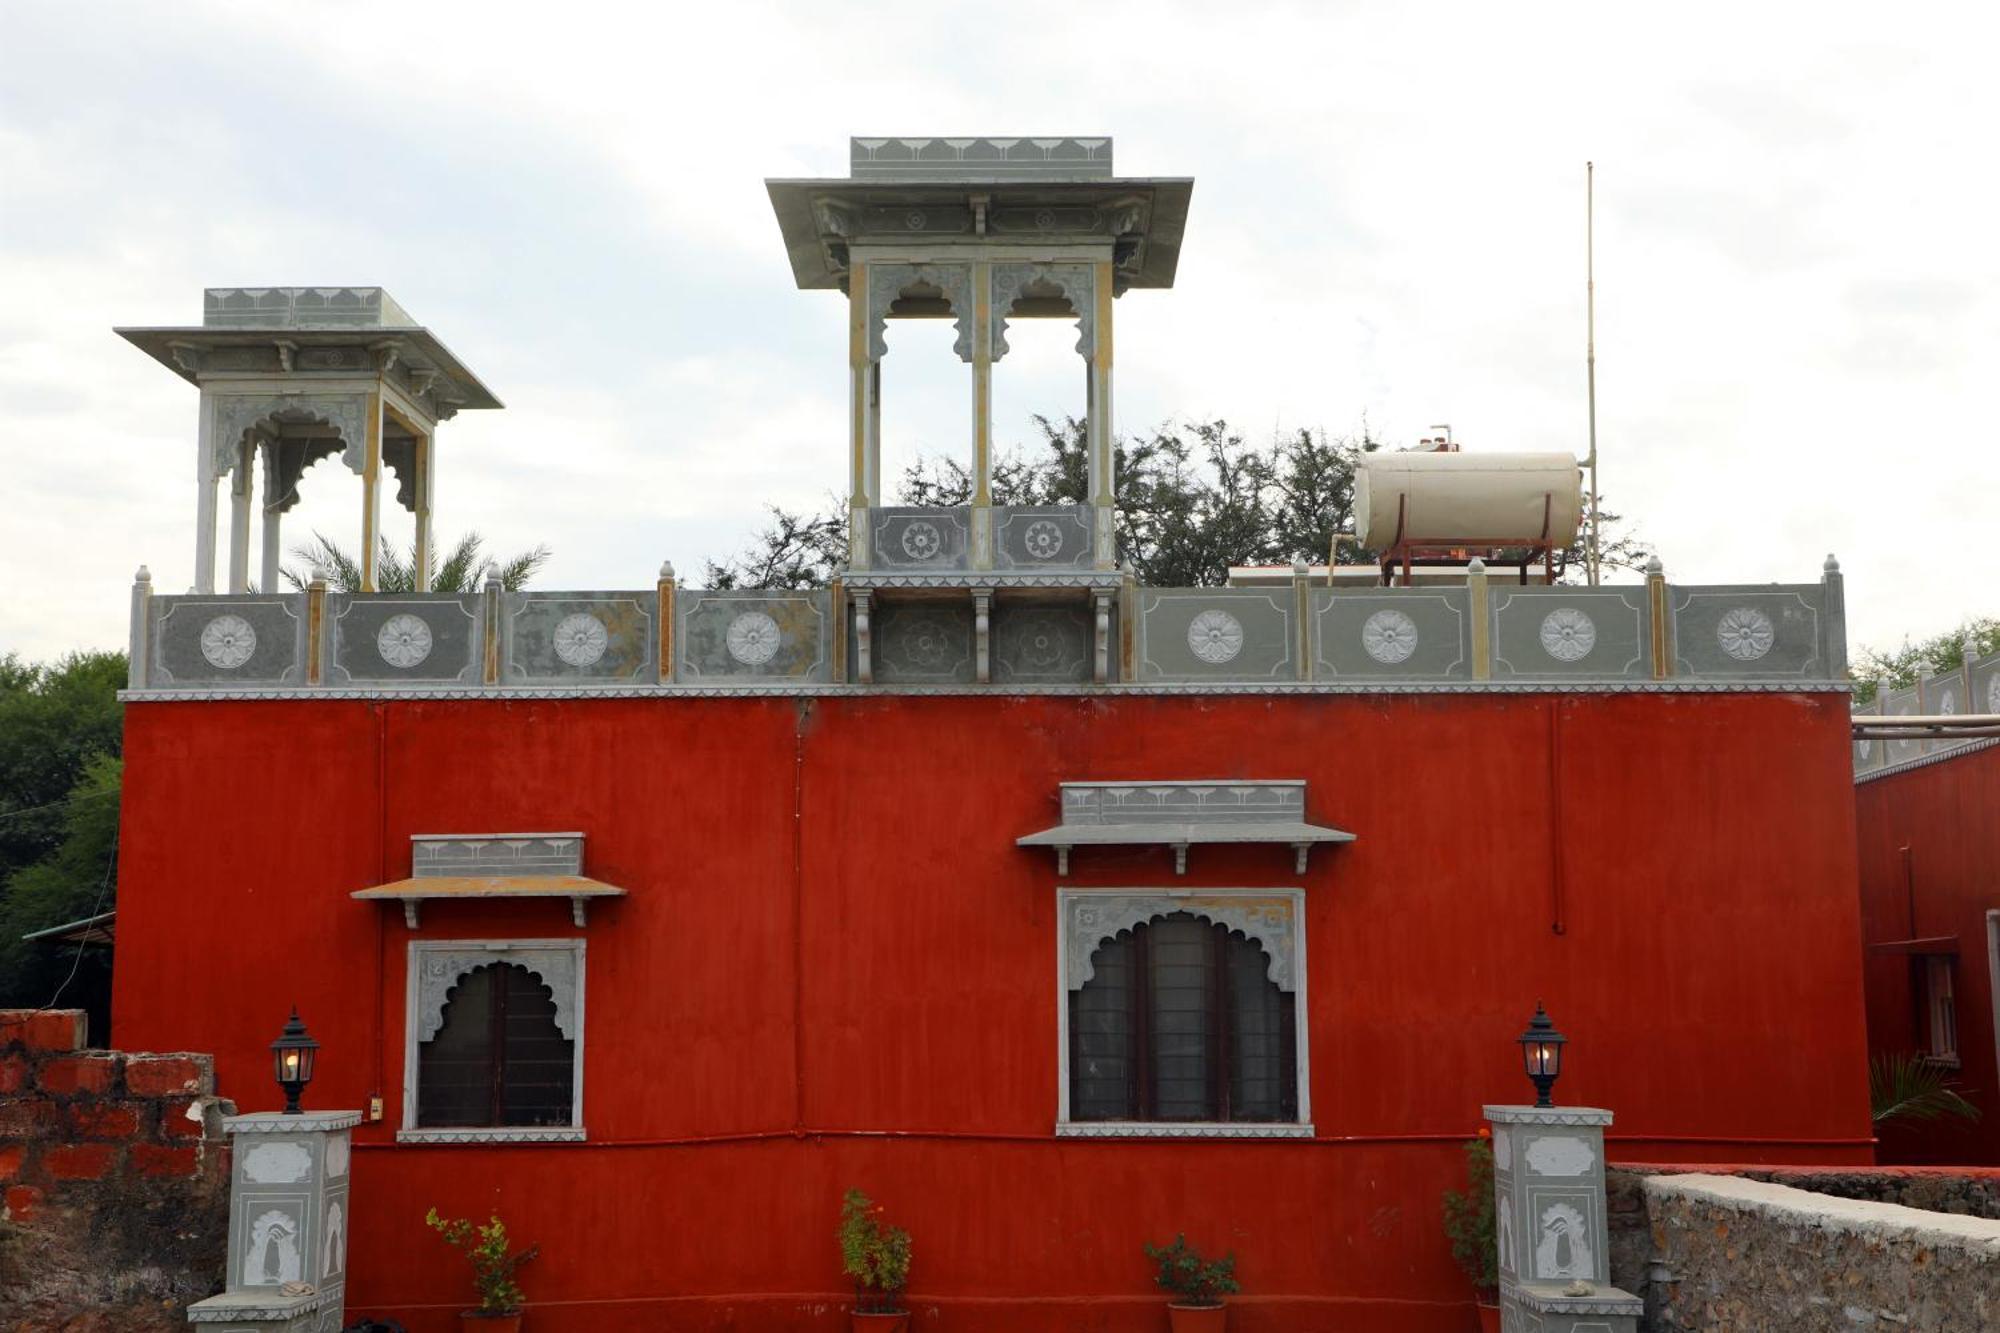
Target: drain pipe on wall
(1557,888)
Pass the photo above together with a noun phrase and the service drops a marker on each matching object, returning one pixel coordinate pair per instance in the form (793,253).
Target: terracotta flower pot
(1489,1316)
(895,1321)
(1197,1318)
(472,1321)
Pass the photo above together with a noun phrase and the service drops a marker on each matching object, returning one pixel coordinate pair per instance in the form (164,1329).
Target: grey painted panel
(1394,633)
(205,642)
(1765,630)
(1042,537)
(1903,703)
(1551,633)
(1044,644)
(1205,634)
(774,635)
(919,539)
(1985,685)
(581,637)
(403,638)
(922,642)
(980,159)
(433,855)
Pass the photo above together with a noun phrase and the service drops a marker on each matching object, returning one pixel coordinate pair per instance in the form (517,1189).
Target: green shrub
(873,1253)
(486,1250)
(1184,1272)
(1469,1221)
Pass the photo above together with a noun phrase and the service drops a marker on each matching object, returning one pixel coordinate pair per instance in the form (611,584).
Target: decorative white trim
(559,963)
(1290,967)
(823,689)
(1925,760)
(1180,1129)
(495,1134)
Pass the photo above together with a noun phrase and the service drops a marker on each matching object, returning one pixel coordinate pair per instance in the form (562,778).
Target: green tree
(1944,652)
(77,879)
(462,569)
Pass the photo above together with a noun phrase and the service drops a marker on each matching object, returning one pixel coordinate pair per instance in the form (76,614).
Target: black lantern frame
(1542,1054)
(293,1055)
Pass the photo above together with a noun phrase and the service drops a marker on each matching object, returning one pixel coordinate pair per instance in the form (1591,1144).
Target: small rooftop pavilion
(292,375)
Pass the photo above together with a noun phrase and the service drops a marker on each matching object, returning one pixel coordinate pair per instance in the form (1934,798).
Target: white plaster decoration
(404,640)
(922,540)
(272,1256)
(336,1156)
(280,1163)
(332,1258)
(1993,693)
(1091,918)
(1947,703)
(752,638)
(1745,633)
(1503,1149)
(495,1134)
(1077,282)
(1506,1237)
(1562,1247)
(1552,1155)
(1215,636)
(227,642)
(347,413)
(1568,634)
(1182,1129)
(1043,539)
(580,639)
(1389,637)
(886,282)
(441,969)
(925,640)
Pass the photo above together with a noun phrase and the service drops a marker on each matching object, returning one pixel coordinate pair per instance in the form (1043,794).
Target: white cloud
(1798,316)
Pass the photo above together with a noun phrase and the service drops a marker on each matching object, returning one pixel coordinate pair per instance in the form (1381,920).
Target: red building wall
(835,968)
(1929,842)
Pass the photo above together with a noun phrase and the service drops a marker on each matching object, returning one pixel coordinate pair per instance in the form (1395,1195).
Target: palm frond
(1908,1087)
(462,570)
(517,570)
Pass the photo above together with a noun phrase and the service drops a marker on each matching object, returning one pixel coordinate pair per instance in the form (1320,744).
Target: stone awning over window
(1182,814)
(493,865)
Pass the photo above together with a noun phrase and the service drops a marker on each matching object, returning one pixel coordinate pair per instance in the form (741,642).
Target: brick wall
(114,1181)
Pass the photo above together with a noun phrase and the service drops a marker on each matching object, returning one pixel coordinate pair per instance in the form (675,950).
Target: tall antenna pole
(1591,566)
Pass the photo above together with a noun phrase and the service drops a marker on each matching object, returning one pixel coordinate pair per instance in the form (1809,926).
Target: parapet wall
(114,1179)
(1729,1251)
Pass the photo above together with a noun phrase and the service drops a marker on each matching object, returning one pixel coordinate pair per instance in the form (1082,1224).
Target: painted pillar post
(1128,622)
(371,495)
(1968,653)
(1549,1216)
(492,606)
(1100,664)
(423,457)
(1302,645)
(982,635)
(316,626)
(142,628)
(1836,619)
(204,515)
(663,610)
(1103,485)
(982,415)
(862,385)
(288,1223)
(272,522)
(1482,624)
(242,486)
(864,660)
(1656,601)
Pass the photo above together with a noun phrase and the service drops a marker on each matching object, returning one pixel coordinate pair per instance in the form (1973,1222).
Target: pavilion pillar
(982,416)
(422,460)
(204,522)
(371,495)
(274,517)
(242,487)
(864,417)
(1097,398)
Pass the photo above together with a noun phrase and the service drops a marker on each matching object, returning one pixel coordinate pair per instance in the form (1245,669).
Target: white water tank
(1461,499)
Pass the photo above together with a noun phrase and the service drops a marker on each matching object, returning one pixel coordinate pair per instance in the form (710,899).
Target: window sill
(1180,1129)
(495,1134)
(1939,1061)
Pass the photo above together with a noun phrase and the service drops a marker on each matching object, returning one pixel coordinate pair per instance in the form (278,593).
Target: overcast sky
(1797,321)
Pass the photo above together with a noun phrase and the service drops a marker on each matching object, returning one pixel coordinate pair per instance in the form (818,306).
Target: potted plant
(877,1256)
(1469,1225)
(487,1250)
(1199,1283)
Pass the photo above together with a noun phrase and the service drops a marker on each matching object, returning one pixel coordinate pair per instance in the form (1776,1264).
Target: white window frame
(1940,992)
(1177,900)
(472,954)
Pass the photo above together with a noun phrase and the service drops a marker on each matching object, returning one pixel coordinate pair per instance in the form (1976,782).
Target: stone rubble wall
(1732,1252)
(114,1181)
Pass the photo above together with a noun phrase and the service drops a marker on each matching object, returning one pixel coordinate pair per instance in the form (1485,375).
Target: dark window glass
(1181,1021)
(499,1058)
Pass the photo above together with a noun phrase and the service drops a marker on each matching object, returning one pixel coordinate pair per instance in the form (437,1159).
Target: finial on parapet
(1654,569)
(1477,566)
(144,576)
(1925,668)
(318,581)
(1831,566)
(493,577)
(1299,565)
(666,571)
(1968,649)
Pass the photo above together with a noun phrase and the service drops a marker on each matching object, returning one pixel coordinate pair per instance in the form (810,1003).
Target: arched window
(499,1057)
(1181,1021)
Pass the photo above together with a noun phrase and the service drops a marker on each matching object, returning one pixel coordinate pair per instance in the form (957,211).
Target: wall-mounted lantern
(292,1056)
(1542,1053)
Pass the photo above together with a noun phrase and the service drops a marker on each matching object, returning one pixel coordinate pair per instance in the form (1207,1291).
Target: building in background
(1059,913)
